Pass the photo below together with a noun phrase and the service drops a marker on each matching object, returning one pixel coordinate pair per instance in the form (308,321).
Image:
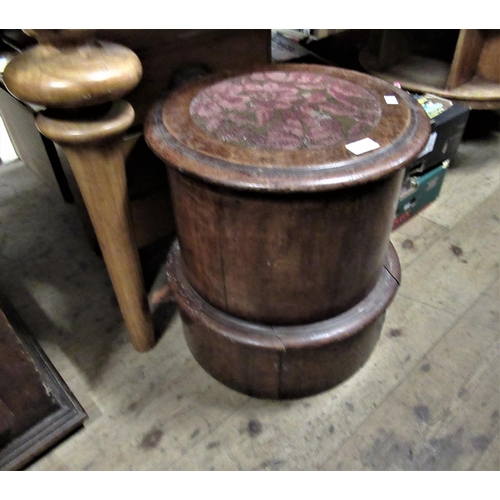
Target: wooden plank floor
(428,398)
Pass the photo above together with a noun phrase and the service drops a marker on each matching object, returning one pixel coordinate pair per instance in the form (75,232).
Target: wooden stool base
(282,362)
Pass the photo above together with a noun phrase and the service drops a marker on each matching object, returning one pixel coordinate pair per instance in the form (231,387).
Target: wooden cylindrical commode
(284,183)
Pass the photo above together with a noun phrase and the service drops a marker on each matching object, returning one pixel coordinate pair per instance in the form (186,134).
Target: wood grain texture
(286,236)
(488,65)
(432,409)
(282,362)
(164,412)
(37,408)
(469,253)
(85,74)
(80,81)
(401,132)
(72,69)
(283,258)
(466,57)
(94,151)
(170,57)
(458,77)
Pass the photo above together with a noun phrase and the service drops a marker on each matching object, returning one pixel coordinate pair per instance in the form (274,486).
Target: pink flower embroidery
(285,110)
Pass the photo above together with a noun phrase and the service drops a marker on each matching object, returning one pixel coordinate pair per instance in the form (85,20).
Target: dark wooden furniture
(81,81)
(37,409)
(282,224)
(462,65)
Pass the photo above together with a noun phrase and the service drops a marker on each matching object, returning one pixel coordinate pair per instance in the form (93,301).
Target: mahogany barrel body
(283,258)
(279,220)
(282,362)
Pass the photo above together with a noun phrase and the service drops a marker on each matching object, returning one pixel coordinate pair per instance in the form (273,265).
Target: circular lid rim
(313,177)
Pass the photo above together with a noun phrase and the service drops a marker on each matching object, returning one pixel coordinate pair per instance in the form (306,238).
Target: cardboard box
(448,122)
(418,192)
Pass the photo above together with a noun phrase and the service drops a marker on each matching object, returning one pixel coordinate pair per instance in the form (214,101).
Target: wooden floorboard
(438,419)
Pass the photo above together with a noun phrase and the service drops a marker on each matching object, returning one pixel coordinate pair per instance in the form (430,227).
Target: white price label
(362,146)
(391,99)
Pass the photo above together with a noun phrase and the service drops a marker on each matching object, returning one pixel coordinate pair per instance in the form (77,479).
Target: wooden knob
(69,70)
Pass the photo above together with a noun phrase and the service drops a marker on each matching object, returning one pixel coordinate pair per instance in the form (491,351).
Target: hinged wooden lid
(288,127)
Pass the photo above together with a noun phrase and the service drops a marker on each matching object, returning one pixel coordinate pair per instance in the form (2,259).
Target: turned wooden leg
(76,78)
(95,153)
